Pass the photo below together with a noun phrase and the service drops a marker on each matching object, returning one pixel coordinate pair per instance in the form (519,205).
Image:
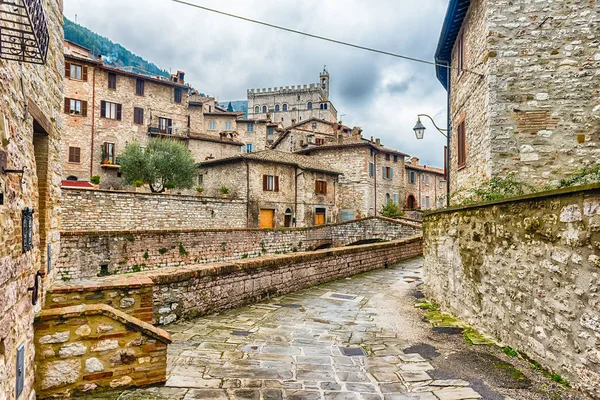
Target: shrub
(95,179)
(224,190)
(391,210)
(138,183)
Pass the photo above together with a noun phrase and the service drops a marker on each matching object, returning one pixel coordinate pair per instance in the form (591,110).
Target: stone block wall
(98,210)
(95,347)
(526,271)
(85,254)
(193,290)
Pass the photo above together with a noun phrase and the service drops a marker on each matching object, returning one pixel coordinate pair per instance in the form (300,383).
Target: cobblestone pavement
(307,345)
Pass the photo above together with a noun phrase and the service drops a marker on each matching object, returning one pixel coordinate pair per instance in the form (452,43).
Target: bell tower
(324,81)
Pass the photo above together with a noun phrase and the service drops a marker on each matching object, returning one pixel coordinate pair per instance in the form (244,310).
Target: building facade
(521,102)
(290,104)
(309,133)
(280,189)
(30,122)
(425,186)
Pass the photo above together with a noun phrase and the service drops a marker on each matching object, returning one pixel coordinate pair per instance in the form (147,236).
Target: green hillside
(112,53)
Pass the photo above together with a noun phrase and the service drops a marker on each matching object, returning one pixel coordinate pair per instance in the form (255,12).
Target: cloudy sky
(223,56)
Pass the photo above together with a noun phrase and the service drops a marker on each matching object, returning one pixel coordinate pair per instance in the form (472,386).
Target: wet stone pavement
(340,340)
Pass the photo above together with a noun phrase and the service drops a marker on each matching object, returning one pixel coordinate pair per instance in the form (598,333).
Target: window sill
(113,166)
(74,162)
(461,167)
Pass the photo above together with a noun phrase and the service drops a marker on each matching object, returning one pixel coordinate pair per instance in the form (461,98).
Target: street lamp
(420,128)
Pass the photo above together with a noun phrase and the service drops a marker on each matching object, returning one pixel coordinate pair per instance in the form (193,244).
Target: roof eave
(453,20)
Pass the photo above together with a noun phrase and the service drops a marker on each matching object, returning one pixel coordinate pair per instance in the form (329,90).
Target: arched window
(321,106)
(324,106)
(256,109)
(265,109)
(285,107)
(276,107)
(71,178)
(309,105)
(387,198)
(288,218)
(411,202)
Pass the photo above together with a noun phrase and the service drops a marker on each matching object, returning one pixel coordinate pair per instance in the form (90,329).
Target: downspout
(375,183)
(295,196)
(93,120)
(247,194)
(449,132)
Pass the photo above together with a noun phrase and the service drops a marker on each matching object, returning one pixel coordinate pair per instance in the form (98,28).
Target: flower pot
(96,186)
(224,196)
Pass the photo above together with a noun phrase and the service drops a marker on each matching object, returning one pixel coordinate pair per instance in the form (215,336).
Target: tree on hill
(230,107)
(164,163)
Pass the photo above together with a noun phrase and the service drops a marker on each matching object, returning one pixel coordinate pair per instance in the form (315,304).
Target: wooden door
(267,219)
(320,216)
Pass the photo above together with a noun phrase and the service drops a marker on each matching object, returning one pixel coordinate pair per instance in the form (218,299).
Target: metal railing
(23,31)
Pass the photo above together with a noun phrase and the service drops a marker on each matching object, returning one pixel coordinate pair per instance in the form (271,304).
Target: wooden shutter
(276,184)
(324,184)
(84,107)
(67,105)
(383,172)
(265,177)
(391,172)
(84,73)
(118,112)
(103,109)
(67,69)
(461,153)
(317,186)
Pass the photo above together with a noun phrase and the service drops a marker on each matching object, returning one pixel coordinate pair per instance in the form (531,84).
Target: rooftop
(364,143)
(455,14)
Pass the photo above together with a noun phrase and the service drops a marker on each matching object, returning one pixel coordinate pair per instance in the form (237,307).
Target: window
(427,202)
(460,53)
(321,106)
(388,199)
(347,215)
(285,107)
(270,130)
(270,183)
(441,203)
(108,153)
(165,125)
(412,177)
(110,110)
(256,109)
(395,158)
(200,179)
(139,87)
(320,187)
(387,172)
(212,125)
(371,169)
(462,145)
(387,157)
(314,125)
(441,184)
(276,107)
(112,80)
(75,107)
(426,179)
(72,178)
(74,154)
(76,71)
(309,105)
(138,115)
(227,125)
(249,147)
(319,141)
(422,201)
(264,110)
(177,95)
(249,127)
(396,199)
(324,106)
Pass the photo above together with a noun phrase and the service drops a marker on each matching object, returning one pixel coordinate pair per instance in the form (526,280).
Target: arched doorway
(411,202)
(287,221)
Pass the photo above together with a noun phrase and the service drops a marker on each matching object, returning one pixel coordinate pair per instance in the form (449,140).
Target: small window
(72,178)
(412,177)
(212,125)
(249,127)
(110,110)
(427,202)
(74,106)
(314,125)
(395,158)
(200,179)
(285,107)
(227,125)
(165,125)
(319,141)
(74,154)
(264,109)
(462,145)
(249,147)
(270,130)
(387,172)
(460,53)
(388,198)
(177,95)
(138,115)
(270,183)
(309,105)
(321,106)
(139,87)
(76,71)
(257,109)
(276,107)
(396,199)
(112,80)
(320,187)
(427,180)
(371,169)
(108,153)
(387,157)
(441,184)
(441,203)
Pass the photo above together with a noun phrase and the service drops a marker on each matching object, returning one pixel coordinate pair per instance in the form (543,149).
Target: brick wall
(93,210)
(94,347)
(83,253)
(190,291)
(525,271)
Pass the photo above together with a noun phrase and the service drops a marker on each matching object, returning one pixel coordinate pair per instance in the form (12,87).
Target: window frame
(165,125)
(371,169)
(309,105)
(107,106)
(256,109)
(277,109)
(178,95)
(265,109)
(76,67)
(227,125)
(460,49)
(112,81)
(249,147)
(387,172)
(284,107)
(320,141)
(112,159)
(461,145)
(140,87)
(321,186)
(138,115)
(212,125)
(270,183)
(74,155)
(249,127)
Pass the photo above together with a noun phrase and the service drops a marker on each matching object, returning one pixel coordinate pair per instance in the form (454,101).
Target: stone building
(280,189)
(311,132)
(105,108)
(523,89)
(425,186)
(373,175)
(31,118)
(293,103)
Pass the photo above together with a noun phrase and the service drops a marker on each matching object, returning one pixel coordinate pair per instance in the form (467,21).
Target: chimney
(293,121)
(371,139)
(414,161)
(378,142)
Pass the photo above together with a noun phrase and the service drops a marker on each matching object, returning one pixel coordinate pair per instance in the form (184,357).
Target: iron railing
(23,31)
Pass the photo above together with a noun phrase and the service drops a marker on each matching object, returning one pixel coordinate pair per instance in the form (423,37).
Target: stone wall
(526,271)
(190,291)
(98,210)
(94,347)
(84,253)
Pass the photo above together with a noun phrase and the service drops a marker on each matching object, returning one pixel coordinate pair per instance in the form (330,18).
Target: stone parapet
(525,271)
(94,347)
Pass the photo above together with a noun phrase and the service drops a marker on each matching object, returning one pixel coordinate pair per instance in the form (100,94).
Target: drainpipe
(449,133)
(93,119)
(375,183)
(296,175)
(247,194)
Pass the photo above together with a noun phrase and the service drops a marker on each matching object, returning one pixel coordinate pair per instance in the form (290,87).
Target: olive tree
(164,163)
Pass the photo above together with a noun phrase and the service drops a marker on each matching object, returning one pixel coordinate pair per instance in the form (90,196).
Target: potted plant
(95,180)
(224,192)
(138,183)
(199,190)
(168,186)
